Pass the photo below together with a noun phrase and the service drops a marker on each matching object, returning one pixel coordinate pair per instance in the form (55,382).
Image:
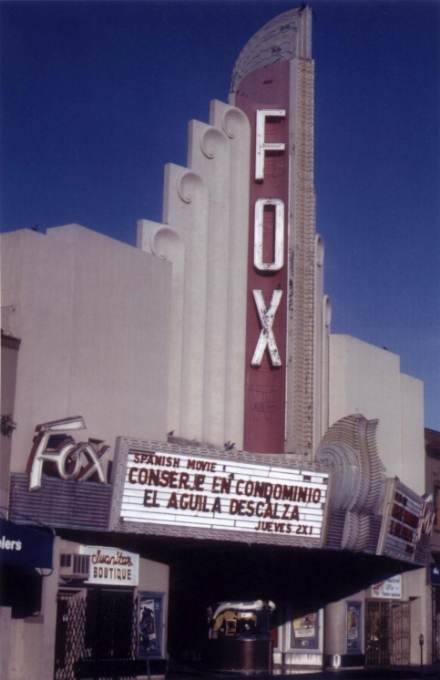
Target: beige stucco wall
(92,314)
(413,434)
(414,590)
(366,379)
(25,651)
(9,358)
(29,644)
(335,625)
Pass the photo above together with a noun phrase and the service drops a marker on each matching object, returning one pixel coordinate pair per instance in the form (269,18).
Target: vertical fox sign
(273,85)
(249,317)
(264,97)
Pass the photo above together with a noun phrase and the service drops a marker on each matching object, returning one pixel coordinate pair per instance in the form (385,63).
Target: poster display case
(354,628)
(150,614)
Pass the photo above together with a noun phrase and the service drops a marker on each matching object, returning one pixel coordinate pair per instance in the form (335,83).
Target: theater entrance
(299,582)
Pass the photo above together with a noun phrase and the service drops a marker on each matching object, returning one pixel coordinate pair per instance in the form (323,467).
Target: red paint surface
(264,424)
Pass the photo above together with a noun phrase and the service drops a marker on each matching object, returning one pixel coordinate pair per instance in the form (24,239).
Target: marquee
(239,496)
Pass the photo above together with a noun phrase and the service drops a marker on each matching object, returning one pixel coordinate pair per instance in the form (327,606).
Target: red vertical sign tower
(264,96)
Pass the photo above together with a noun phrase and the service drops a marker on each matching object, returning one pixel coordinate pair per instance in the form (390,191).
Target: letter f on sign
(267,338)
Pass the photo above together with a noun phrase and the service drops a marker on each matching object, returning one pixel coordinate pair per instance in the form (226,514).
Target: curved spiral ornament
(327,310)
(210,139)
(187,184)
(232,119)
(346,473)
(319,249)
(359,475)
(164,241)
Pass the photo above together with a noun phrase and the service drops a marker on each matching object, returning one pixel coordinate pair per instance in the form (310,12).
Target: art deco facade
(231,440)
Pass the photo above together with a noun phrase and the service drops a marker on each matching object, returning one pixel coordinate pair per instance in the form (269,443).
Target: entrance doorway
(435,591)
(387,633)
(94,626)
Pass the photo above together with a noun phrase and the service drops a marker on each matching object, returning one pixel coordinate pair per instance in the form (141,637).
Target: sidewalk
(430,672)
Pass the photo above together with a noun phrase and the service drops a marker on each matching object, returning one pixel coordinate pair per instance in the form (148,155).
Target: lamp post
(421,642)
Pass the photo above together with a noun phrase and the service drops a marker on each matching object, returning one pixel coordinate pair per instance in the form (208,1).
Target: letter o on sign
(278,262)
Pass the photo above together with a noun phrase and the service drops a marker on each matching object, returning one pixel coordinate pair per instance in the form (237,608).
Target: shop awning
(25,547)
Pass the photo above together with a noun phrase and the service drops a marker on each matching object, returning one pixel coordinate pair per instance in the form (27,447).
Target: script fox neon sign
(68,457)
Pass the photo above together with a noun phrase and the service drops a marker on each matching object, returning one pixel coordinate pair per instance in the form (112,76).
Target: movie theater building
(432,471)
(190,435)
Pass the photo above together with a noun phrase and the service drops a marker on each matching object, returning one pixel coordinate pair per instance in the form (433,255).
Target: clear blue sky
(96,97)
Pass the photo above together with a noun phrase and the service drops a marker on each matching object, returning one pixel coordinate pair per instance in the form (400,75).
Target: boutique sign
(185,490)
(112,566)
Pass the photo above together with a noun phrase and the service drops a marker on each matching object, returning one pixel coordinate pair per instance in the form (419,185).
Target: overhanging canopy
(24,547)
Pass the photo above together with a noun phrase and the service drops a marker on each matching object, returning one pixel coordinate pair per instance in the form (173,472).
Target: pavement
(428,672)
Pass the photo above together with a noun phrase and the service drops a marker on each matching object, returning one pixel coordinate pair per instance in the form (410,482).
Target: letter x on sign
(267,338)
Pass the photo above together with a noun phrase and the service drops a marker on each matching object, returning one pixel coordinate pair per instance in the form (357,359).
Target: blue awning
(25,547)
(434,574)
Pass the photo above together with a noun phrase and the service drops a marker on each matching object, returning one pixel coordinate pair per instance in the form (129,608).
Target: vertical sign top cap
(287,36)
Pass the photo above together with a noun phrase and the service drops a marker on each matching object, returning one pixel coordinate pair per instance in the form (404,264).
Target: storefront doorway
(93,625)
(387,633)
(435,591)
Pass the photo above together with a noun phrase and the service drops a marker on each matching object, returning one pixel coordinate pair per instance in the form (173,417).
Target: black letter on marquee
(217,506)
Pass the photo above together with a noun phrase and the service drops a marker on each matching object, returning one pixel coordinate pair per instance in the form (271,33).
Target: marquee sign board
(166,489)
(406,519)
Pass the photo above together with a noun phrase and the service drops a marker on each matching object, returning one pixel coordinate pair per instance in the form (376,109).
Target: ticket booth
(239,637)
